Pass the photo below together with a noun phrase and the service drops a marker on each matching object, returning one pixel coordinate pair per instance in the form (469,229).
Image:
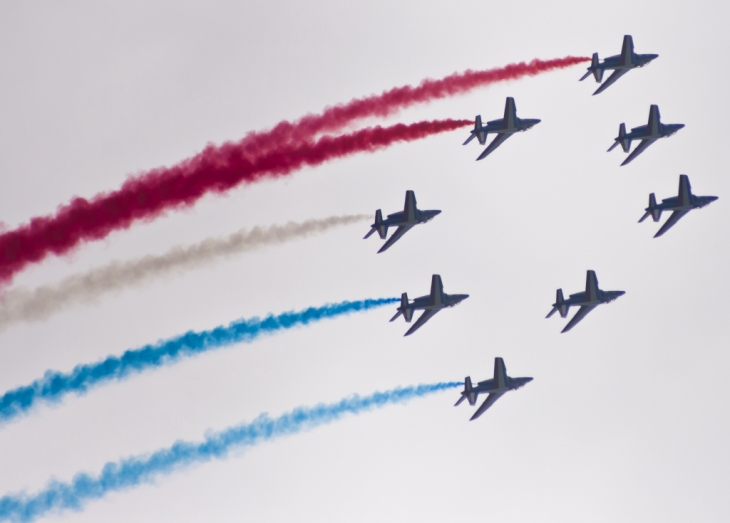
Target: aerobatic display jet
(587,301)
(430,304)
(404,220)
(619,64)
(679,205)
(496,387)
(648,134)
(503,128)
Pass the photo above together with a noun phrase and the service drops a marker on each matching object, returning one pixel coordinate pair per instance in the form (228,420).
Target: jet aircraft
(503,128)
(620,64)
(404,220)
(587,301)
(430,304)
(679,205)
(648,134)
(496,388)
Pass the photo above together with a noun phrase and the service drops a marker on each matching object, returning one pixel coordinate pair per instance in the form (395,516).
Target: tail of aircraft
(378,226)
(479,133)
(560,305)
(404,309)
(625,142)
(468,393)
(652,210)
(597,71)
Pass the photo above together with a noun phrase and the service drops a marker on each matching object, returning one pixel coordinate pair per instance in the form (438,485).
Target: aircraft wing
(499,140)
(494,396)
(585,309)
(427,315)
(639,149)
(618,73)
(674,218)
(400,231)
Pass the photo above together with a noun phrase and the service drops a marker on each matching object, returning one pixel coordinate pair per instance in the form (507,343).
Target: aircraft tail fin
(559,305)
(652,210)
(621,139)
(382,229)
(403,309)
(468,393)
(479,132)
(597,71)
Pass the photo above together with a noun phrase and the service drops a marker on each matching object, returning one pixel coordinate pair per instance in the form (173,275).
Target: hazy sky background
(626,419)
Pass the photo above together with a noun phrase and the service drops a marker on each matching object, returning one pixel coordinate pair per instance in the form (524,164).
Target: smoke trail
(55,385)
(389,102)
(132,471)
(20,304)
(216,169)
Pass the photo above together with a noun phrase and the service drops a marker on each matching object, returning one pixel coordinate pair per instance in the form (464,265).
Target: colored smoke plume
(21,304)
(216,169)
(390,102)
(129,472)
(55,385)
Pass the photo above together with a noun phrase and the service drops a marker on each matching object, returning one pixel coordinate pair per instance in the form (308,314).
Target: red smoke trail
(389,102)
(216,169)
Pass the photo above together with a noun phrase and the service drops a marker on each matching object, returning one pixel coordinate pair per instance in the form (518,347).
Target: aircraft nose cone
(653,57)
(680,126)
(435,213)
(620,293)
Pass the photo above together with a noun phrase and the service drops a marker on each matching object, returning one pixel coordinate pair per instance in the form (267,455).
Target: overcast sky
(627,417)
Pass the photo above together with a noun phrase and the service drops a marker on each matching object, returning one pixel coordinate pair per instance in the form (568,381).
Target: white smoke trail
(22,304)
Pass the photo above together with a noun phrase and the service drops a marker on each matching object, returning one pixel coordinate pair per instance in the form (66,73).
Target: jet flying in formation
(496,388)
(619,64)
(648,134)
(503,128)
(587,301)
(679,205)
(430,304)
(404,220)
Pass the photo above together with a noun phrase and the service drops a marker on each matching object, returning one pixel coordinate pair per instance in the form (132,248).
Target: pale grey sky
(626,419)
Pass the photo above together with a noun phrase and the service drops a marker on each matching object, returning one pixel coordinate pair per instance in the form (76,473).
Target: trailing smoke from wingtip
(21,304)
(130,472)
(215,170)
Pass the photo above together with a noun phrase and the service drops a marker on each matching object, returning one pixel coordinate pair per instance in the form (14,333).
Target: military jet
(680,205)
(587,301)
(430,304)
(503,128)
(404,220)
(495,387)
(620,64)
(648,134)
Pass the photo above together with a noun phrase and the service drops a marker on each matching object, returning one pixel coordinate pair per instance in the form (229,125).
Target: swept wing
(618,73)
(639,149)
(400,231)
(585,309)
(494,396)
(499,140)
(674,218)
(427,315)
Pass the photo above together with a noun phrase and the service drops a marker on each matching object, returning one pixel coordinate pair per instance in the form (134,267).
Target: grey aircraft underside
(587,301)
(648,134)
(503,128)
(430,304)
(619,64)
(679,205)
(410,215)
(495,388)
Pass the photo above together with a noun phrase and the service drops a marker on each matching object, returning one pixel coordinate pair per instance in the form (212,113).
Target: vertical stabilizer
(653,210)
(405,310)
(560,302)
(510,113)
(409,210)
(685,191)
(378,226)
(500,375)
(437,291)
(591,286)
(654,121)
(597,71)
(627,51)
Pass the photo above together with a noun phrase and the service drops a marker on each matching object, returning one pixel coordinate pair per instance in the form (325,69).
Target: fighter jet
(495,387)
(430,304)
(404,220)
(680,205)
(503,128)
(587,301)
(648,134)
(620,64)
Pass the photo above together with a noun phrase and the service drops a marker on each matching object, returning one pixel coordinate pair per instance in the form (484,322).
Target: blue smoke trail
(54,385)
(130,472)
